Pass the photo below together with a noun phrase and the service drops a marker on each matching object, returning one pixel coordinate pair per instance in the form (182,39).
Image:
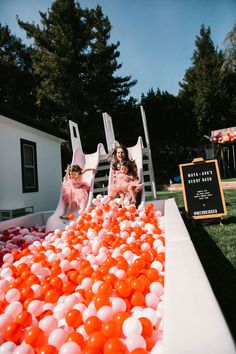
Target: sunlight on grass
(223,236)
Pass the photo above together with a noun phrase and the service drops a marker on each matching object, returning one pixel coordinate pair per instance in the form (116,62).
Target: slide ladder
(137,152)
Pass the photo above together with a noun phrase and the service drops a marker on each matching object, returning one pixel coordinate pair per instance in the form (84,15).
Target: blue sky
(157,37)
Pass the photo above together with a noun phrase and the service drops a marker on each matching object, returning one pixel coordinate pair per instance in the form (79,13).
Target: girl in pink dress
(125,182)
(75,191)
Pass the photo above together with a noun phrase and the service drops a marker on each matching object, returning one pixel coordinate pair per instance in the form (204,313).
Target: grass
(224,236)
(216,248)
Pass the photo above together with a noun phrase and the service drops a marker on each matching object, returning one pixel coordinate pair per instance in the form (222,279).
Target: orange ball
(34,337)
(122,287)
(74,318)
(137,299)
(56,283)
(68,287)
(114,345)
(152,274)
(105,288)
(26,292)
(92,324)
(109,328)
(77,338)
(120,317)
(13,332)
(139,351)
(24,319)
(52,295)
(147,327)
(96,340)
(100,301)
(47,349)
(138,285)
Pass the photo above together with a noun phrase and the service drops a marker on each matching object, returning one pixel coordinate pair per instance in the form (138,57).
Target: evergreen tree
(229,74)
(17,84)
(59,59)
(230,49)
(105,89)
(76,66)
(201,88)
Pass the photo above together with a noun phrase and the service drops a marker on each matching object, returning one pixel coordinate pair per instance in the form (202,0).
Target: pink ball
(105,313)
(35,307)
(8,257)
(36,268)
(88,313)
(134,342)
(70,301)
(70,348)
(48,324)
(118,304)
(120,274)
(86,283)
(151,300)
(7,347)
(14,309)
(150,314)
(12,295)
(57,337)
(156,288)
(4,285)
(96,285)
(5,319)
(80,306)
(24,349)
(132,327)
(37,290)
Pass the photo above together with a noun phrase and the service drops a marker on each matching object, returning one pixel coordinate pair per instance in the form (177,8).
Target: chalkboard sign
(202,189)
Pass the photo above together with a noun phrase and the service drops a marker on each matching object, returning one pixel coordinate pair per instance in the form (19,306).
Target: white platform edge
(39,218)
(193,321)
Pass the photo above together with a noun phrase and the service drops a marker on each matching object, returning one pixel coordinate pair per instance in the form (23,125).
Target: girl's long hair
(113,156)
(72,168)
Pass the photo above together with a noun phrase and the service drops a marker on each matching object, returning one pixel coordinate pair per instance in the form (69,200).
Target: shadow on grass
(229,220)
(219,270)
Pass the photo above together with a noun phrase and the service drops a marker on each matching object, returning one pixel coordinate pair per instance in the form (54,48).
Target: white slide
(84,161)
(136,154)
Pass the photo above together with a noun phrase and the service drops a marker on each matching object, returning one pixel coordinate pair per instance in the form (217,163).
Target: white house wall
(48,165)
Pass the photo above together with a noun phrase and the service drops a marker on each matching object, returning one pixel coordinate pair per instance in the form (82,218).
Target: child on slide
(126,182)
(75,191)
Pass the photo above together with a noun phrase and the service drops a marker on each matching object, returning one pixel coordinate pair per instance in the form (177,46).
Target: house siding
(48,162)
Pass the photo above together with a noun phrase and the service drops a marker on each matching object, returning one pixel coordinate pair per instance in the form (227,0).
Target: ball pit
(95,287)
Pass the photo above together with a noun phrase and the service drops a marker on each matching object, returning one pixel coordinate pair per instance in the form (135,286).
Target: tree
(201,88)
(17,84)
(167,130)
(59,60)
(106,89)
(229,72)
(230,49)
(76,67)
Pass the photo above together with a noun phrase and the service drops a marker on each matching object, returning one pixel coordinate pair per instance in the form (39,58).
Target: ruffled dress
(75,193)
(121,185)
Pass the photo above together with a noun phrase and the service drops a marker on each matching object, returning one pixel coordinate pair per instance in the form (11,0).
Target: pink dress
(122,182)
(75,193)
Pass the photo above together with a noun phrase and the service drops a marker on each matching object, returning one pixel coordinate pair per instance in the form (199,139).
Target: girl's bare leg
(66,215)
(131,191)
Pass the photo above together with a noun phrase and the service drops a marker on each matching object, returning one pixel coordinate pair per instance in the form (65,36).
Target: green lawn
(216,248)
(224,236)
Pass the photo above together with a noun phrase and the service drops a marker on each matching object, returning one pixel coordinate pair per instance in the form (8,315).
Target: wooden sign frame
(202,179)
